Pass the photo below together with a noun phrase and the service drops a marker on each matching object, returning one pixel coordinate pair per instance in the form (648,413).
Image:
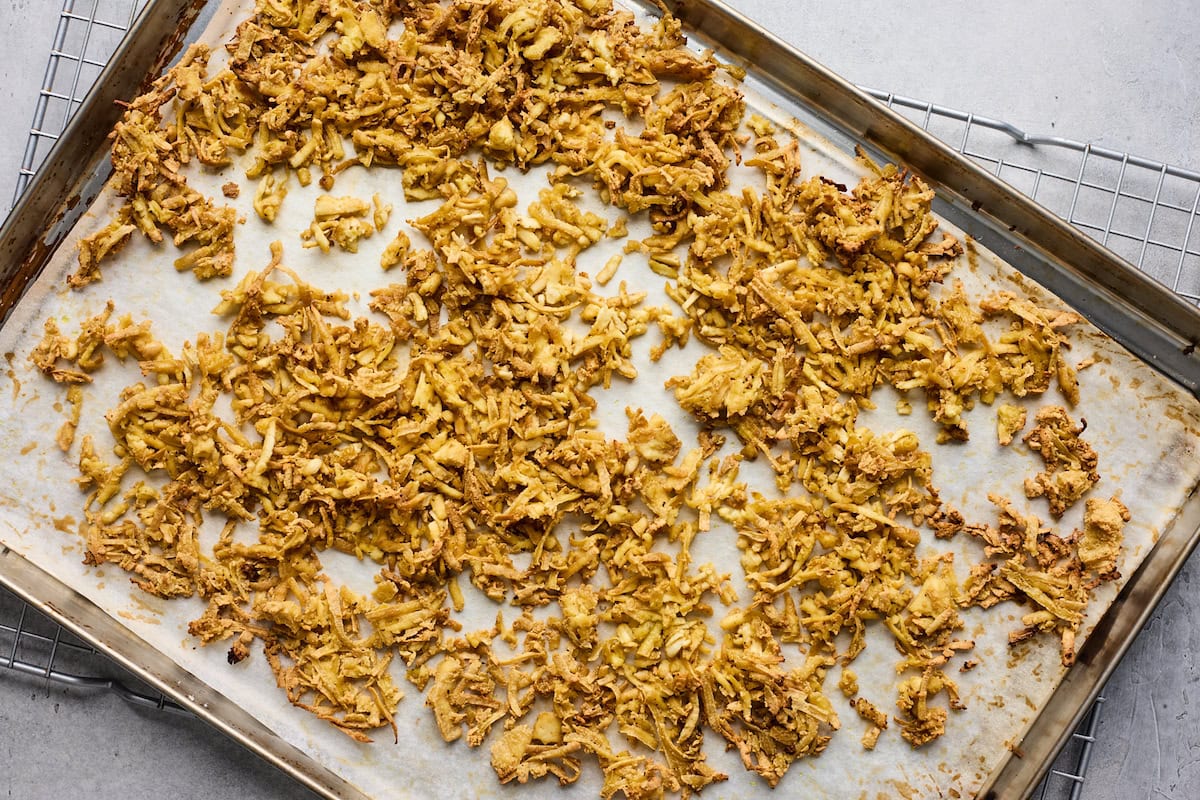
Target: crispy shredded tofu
(848,682)
(1029,563)
(1099,543)
(876,719)
(1010,420)
(1070,461)
(342,221)
(449,439)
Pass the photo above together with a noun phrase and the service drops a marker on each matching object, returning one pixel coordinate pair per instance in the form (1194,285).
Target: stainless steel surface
(1073,187)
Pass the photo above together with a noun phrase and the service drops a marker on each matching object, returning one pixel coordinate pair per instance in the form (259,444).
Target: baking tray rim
(1164,340)
(90,623)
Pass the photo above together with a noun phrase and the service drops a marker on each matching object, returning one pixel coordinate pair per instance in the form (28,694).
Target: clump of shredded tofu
(450,438)
(1054,575)
(1070,461)
(343,221)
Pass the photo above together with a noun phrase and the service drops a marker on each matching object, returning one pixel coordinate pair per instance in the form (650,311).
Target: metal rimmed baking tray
(839,113)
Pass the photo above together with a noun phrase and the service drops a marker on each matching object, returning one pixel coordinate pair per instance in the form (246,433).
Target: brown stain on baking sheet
(972,251)
(905,790)
(12,375)
(19,279)
(149,619)
(1181,416)
(151,613)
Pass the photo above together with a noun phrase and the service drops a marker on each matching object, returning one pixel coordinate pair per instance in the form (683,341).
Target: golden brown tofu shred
(450,437)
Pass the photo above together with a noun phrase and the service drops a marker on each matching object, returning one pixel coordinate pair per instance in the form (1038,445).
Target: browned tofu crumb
(1010,420)
(1103,531)
(848,682)
(877,720)
(921,723)
(1070,461)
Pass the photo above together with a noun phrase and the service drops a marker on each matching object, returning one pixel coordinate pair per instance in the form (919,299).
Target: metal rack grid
(1144,210)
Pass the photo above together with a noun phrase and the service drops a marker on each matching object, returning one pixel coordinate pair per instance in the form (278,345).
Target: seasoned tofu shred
(449,436)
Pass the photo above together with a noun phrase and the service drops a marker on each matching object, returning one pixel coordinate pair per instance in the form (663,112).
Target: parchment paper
(1143,427)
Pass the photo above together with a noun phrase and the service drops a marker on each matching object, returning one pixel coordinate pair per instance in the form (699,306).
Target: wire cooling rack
(1144,210)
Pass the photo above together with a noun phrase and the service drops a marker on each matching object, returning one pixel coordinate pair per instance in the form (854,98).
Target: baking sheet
(1143,427)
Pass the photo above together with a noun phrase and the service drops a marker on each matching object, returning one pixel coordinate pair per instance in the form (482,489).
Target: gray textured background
(1120,74)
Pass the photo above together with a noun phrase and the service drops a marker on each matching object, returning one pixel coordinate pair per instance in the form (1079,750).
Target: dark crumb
(231,190)
(969,665)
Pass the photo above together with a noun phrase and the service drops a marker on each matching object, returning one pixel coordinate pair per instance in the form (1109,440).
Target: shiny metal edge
(92,624)
(1136,311)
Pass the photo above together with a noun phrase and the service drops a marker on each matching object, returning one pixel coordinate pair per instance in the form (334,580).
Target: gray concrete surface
(1120,74)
